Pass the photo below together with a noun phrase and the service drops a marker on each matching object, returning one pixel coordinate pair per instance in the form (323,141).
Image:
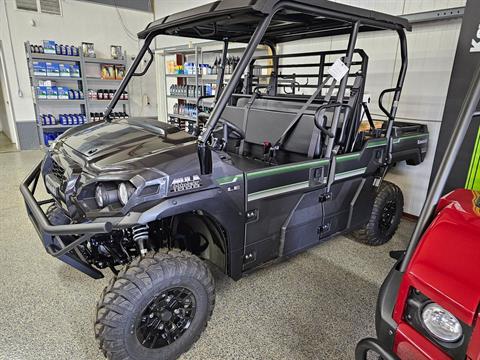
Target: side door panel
(274,195)
(352,192)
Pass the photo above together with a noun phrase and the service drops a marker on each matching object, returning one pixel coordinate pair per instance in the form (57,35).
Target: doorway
(7,125)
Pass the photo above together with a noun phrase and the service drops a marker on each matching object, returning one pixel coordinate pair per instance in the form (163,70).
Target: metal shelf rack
(83,83)
(204,53)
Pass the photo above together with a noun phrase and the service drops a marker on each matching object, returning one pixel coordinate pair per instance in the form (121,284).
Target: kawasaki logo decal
(476,44)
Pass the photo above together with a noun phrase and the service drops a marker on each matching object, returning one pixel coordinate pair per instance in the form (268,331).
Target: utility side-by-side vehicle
(283,163)
(428,306)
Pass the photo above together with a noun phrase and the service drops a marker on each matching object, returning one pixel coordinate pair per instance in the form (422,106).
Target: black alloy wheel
(166,318)
(388,216)
(385,217)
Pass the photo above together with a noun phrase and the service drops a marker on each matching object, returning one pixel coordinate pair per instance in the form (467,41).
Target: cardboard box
(53,69)
(64,70)
(52,93)
(107,71)
(39,68)
(41,92)
(46,83)
(49,47)
(119,72)
(62,92)
(75,71)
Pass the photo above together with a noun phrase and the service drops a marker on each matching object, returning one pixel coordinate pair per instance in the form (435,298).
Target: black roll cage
(204,152)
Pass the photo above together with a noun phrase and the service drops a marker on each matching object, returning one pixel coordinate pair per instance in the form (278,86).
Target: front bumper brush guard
(50,234)
(370,344)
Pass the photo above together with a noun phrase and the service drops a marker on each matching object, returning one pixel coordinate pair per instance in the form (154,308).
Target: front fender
(218,205)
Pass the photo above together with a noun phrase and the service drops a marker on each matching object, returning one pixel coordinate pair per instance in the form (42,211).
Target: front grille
(57,170)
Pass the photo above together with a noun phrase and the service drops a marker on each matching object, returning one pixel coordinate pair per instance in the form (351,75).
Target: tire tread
(127,286)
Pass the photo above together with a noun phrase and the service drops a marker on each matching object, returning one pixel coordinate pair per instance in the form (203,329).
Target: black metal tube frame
(130,73)
(255,40)
(46,228)
(370,344)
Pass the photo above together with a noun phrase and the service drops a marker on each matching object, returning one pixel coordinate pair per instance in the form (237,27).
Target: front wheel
(386,214)
(156,308)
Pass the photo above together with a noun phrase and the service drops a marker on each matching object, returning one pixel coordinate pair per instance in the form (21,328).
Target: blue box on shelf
(39,68)
(74,70)
(49,47)
(53,69)
(64,70)
(52,92)
(62,92)
(41,92)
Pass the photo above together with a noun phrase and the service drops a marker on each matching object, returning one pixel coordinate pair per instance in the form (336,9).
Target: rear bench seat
(267,120)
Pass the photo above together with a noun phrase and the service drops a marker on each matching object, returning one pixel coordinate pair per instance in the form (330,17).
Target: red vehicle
(429,304)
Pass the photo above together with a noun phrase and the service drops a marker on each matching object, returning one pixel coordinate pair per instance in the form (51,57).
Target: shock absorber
(140,236)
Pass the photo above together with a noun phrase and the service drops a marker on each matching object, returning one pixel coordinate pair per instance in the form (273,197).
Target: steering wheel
(238,133)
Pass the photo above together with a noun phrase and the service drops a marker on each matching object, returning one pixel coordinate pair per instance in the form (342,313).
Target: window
(43,6)
(50,7)
(29,5)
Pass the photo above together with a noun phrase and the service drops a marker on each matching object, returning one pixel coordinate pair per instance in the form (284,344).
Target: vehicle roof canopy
(299,19)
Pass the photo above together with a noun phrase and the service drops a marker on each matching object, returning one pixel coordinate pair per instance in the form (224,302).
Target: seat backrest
(267,119)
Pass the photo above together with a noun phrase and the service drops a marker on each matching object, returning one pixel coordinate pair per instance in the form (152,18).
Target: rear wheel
(385,217)
(156,308)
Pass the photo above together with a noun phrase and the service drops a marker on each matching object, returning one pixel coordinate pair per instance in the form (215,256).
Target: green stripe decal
(228,179)
(372,144)
(473,177)
(347,157)
(350,173)
(285,169)
(277,191)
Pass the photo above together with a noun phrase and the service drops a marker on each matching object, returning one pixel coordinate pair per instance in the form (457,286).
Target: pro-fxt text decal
(185,183)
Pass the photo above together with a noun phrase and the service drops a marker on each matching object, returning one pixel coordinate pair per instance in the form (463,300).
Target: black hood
(126,144)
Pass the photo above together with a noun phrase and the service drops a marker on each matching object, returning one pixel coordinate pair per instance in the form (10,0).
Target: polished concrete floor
(5,144)
(314,306)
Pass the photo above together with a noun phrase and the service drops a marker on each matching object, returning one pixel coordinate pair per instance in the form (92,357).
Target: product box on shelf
(64,70)
(107,71)
(74,70)
(119,72)
(46,83)
(62,92)
(53,69)
(52,92)
(49,47)
(41,92)
(39,68)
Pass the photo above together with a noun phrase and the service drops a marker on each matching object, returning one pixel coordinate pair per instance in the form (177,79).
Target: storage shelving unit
(95,83)
(204,53)
(83,83)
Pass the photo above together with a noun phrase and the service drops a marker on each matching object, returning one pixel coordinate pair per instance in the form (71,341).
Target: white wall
(6,111)
(81,21)
(431,49)
(431,52)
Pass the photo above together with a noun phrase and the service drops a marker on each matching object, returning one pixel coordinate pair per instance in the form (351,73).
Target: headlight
(441,323)
(125,190)
(106,194)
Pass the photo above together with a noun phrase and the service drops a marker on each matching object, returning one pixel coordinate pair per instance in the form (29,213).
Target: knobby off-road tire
(386,214)
(163,290)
